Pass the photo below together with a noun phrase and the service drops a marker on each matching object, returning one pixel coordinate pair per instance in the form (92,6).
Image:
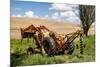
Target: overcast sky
(52,11)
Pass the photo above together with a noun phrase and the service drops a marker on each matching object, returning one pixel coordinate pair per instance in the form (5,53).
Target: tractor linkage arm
(72,36)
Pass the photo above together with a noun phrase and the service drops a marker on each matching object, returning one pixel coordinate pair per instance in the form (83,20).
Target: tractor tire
(49,46)
(70,49)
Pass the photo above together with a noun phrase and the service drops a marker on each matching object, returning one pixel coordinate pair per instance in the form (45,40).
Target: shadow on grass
(16,59)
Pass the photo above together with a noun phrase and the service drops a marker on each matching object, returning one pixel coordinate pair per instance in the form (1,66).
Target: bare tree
(87,17)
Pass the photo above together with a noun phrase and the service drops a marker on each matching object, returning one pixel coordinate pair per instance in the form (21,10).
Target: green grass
(19,56)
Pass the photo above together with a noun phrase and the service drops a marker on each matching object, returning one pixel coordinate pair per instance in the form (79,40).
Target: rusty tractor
(50,43)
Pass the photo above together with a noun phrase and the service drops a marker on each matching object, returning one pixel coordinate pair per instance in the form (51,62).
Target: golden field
(58,27)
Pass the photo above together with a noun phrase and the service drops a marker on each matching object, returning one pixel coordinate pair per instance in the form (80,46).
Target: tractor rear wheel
(49,46)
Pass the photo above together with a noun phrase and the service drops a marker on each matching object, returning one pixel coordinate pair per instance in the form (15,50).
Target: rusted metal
(61,43)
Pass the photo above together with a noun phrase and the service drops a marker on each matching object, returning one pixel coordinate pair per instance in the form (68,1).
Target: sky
(51,11)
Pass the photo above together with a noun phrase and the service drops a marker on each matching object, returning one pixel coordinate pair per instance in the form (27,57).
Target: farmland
(18,49)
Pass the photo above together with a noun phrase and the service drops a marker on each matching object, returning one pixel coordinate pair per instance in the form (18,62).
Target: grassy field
(19,56)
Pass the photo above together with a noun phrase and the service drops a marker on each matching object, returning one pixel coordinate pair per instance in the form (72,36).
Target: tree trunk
(86,32)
